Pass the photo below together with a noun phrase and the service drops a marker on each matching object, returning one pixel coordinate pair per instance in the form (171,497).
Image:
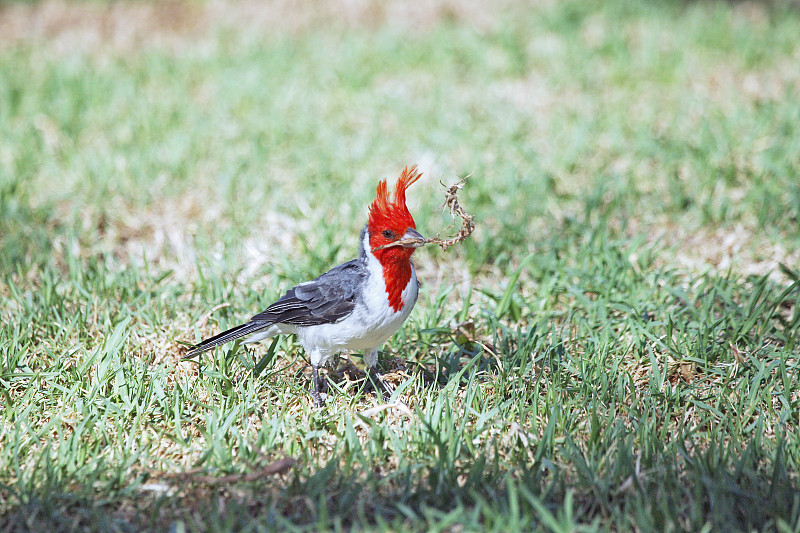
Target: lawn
(616,347)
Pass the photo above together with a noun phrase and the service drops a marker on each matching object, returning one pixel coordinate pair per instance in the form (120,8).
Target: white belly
(370,324)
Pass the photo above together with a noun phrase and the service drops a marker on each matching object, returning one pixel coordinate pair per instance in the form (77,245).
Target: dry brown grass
(69,27)
(737,248)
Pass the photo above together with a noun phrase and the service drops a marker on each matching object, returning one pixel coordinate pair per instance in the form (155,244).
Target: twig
(201,323)
(278,467)
(452,204)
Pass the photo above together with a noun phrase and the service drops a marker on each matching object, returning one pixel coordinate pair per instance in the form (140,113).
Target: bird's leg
(371,359)
(318,358)
(315,387)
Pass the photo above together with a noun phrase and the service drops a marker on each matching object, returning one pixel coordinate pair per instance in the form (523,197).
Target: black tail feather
(226,336)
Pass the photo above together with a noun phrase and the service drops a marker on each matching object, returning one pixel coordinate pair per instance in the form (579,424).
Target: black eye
(388,234)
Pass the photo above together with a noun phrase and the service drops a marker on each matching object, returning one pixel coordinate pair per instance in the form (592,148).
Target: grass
(615,348)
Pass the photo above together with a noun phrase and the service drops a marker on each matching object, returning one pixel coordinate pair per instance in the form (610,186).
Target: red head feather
(393,213)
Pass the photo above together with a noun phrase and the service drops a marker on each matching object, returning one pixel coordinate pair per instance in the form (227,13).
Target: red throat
(396,275)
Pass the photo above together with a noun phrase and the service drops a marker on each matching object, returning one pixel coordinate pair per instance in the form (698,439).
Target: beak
(412,239)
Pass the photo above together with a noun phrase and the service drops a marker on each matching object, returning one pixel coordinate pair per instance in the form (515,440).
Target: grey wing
(325,300)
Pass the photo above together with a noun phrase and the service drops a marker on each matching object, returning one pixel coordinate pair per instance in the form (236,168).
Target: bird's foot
(317,398)
(380,385)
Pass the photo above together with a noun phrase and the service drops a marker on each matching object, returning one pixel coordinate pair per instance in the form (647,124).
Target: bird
(357,305)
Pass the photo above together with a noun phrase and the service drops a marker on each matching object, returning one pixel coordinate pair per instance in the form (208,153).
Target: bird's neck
(396,275)
(396,267)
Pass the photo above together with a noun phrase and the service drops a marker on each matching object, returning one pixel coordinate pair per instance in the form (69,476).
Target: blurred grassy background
(160,159)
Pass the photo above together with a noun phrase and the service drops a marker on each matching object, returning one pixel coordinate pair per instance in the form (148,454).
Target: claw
(318,402)
(378,383)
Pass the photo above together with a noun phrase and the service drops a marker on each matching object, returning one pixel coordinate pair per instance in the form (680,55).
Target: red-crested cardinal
(355,306)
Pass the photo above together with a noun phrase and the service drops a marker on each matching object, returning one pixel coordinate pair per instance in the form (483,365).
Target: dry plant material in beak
(452,204)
